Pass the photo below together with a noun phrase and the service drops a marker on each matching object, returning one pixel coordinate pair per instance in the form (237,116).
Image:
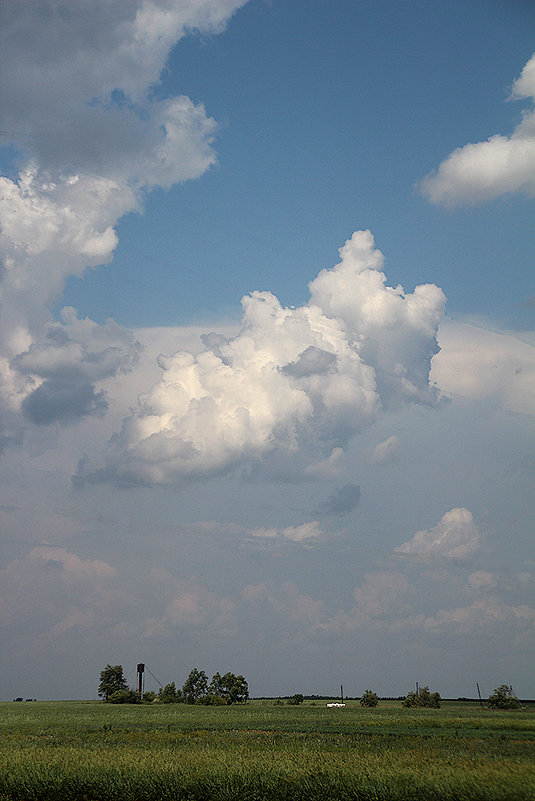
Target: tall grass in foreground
(99,753)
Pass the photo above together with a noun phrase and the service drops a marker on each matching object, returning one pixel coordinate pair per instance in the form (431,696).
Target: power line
(153,676)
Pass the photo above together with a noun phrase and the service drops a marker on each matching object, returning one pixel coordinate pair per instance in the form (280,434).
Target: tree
(149,696)
(422,699)
(195,686)
(169,694)
(369,698)
(295,699)
(111,680)
(503,697)
(216,685)
(234,688)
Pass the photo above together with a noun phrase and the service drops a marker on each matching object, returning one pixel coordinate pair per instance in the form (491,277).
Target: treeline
(230,688)
(423,698)
(222,690)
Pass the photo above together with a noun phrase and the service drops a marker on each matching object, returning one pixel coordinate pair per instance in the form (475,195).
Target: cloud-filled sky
(267,349)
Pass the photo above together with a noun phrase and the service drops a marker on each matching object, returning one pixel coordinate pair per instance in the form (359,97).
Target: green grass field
(93,751)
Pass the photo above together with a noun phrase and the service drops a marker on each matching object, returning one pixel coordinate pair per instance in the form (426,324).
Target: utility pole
(479,693)
(342,693)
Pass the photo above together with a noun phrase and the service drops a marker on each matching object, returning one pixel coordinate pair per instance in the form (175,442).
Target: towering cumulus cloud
(77,104)
(484,170)
(293,377)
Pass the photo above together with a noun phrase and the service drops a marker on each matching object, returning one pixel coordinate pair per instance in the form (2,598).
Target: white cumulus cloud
(456,536)
(482,171)
(311,375)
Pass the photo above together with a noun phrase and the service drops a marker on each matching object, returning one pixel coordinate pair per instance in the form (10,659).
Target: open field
(98,752)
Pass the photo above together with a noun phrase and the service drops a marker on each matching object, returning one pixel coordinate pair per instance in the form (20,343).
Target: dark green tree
(369,698)
(169,694)
(111,680)
(234,688)
(216,685)
(195,686)
(503,697)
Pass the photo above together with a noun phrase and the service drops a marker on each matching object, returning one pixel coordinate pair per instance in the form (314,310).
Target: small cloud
(331,467)
(385,451)
(253,592)
(265,533)
(304,534)
(74,617)
(341,502)
(482,579)
(481,171)
(455,536)
(70,564)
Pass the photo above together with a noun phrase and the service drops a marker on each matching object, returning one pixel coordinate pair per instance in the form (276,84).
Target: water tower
(140,671)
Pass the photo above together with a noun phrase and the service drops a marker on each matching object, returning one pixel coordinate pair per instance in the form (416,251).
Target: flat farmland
(261,751)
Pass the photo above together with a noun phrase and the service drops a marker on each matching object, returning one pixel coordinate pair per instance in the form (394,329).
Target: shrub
(296,699)
(422,699)
(503,697)
(124,697)
(212,700)
(369,698)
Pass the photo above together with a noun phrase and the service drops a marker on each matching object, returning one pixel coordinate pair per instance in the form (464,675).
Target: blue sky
(336,468)
(329,114)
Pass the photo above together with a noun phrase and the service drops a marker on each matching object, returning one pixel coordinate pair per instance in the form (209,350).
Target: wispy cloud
(304,534)
(484,365)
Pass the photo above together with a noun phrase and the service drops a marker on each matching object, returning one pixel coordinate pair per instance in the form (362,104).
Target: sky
(267,348)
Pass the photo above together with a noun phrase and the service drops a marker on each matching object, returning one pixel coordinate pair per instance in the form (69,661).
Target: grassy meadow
(91,751)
